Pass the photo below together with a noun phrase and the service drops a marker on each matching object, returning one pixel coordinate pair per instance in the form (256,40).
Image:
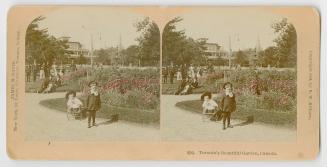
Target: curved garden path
(42,123)
(179,124)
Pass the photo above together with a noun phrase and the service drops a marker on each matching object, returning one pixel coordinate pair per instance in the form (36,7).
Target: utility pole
(238,42)
(230,53)
(91,38)
(91,51)
(120,47)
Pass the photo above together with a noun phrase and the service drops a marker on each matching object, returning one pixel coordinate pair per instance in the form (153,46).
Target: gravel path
(178,124)
(47,124)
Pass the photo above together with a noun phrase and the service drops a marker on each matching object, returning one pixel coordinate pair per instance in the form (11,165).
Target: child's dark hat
(93,82)
(69,93)
(206,94)
(227,83)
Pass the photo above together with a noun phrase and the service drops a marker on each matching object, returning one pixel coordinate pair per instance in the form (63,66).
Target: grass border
(275,118)
(141,116)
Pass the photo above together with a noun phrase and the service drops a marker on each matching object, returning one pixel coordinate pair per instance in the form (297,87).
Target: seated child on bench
(73,103)
(209,105)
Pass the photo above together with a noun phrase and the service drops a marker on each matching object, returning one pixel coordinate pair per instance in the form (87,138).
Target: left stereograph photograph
(92,74)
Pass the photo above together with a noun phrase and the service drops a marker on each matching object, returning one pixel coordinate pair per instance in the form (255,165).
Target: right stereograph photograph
(229,75)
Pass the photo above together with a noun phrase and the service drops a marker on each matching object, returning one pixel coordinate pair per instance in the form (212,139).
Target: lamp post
(230,48)
(91,51)
(91,40)
(230,53)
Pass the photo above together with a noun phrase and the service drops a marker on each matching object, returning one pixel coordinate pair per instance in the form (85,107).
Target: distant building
(214,51)
(211,50)
(75,49)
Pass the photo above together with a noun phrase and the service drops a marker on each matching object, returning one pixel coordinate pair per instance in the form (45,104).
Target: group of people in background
(50,76)
(41,71)
(188,77)
(49,84)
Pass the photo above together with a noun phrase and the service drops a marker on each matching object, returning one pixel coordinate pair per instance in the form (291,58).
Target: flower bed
(270,90)
(134,88)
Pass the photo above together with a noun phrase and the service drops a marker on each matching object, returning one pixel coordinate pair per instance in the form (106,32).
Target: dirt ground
(47,124)
(178,124)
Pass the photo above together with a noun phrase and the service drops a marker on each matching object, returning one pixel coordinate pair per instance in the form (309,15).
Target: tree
(172,42)
(42,48)
(81,60)
(148,42)
(180,49)
(286,43)
(219,62)
(131,55)
(106,56)
(193,52)
(269,57)
(241,58)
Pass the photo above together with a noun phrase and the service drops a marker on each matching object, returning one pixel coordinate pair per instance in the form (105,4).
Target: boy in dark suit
(227,104)
(93,103)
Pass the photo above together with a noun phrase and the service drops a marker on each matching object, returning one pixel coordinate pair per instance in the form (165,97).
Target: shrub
(278,101)
(127,87)
(265,81)
(132,99)
(266,89)
(212,77)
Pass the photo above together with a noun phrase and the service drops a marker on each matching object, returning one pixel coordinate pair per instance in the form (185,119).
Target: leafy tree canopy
(42,47)
(286,43)
(177,48)
(148,52)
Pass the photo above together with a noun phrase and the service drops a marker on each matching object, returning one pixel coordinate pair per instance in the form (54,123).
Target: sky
(105,25)
(244,26)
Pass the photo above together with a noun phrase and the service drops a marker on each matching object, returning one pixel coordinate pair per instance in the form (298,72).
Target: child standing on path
(93,103)
(227,104)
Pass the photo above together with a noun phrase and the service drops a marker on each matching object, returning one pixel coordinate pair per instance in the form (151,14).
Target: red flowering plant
(128,87)
(272,90)
(278,101)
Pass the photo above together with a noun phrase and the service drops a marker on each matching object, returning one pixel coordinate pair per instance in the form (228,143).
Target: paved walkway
(47,124)
(179,124)
(176,124)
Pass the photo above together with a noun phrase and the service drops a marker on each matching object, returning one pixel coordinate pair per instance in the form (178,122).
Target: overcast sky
(243,24)
(104,22)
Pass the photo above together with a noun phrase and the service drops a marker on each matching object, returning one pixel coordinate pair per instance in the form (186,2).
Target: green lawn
(276,118)
(126,114)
